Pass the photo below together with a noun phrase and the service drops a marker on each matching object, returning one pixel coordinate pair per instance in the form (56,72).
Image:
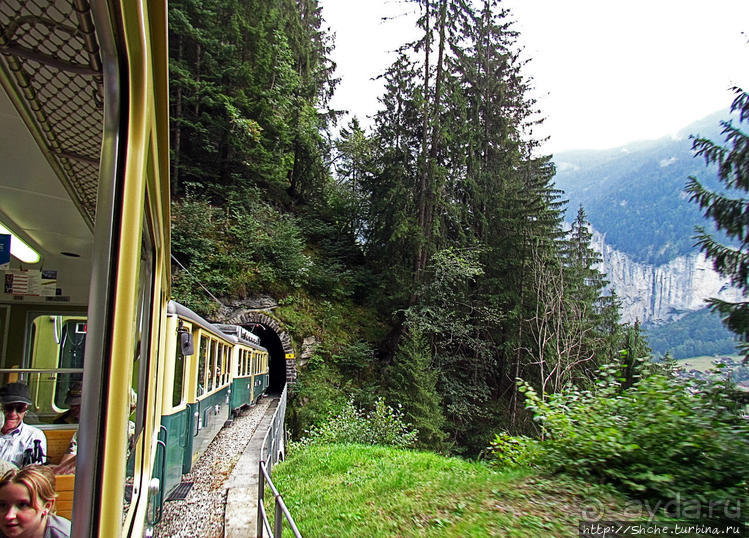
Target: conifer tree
(729,210)
(586,285)
(413,382)
(354,167)
(246,79)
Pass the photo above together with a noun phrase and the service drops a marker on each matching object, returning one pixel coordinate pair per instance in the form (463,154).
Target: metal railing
(271,452)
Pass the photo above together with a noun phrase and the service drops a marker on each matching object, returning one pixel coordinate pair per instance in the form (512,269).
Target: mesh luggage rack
(50,68)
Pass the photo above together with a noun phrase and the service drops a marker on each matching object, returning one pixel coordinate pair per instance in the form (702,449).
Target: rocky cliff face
(664,292)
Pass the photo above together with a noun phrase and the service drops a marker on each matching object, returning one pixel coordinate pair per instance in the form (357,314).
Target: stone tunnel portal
(282,361)
(276,357)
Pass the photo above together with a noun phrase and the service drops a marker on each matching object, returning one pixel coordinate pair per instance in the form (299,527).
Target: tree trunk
(423,183)
(432,195)
(177,130)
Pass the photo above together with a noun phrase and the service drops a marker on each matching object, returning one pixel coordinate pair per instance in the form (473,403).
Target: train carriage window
(202,362)
(55,340)
(216,363)
(222,368)
(217,375)
(219,363)
(226,364)
(72,346)
(179,373)
(211,364)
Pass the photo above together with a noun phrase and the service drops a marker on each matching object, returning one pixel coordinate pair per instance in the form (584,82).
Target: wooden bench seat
(64,489)
(58,442)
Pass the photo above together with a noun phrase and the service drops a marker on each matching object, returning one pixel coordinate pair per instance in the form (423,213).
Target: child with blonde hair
(27,502)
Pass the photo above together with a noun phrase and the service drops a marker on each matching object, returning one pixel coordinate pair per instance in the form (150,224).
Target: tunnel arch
(282,359)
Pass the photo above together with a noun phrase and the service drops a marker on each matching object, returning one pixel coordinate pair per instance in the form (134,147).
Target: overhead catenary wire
(196,280)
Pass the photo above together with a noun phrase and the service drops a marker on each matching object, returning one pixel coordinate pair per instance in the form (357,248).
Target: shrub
(382,426)
(512,451)
(661,439)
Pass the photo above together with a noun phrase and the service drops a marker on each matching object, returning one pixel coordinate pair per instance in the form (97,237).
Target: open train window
(202,362)
(225,379)
(211,364)
(219,365)
(72,346)
(179,371)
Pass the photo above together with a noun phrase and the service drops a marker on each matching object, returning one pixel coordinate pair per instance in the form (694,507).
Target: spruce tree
(413,382)
(729,211)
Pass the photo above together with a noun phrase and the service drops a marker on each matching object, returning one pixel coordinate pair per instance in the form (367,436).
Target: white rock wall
(664,292)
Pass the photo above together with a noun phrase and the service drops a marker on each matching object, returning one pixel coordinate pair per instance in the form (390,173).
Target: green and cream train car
(211,371)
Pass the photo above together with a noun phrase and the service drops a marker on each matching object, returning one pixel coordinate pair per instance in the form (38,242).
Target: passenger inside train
(20,443)
(27,503)
(73,401)
(67,463)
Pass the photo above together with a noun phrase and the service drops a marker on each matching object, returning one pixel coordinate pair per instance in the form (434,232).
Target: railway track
(201,511)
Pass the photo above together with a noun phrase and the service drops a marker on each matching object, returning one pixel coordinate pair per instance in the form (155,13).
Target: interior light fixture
(19,248)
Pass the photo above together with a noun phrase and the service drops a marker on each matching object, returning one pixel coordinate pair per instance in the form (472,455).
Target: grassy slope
(353,490)
(705,362)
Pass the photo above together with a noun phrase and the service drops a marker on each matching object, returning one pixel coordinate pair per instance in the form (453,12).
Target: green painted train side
(178,440)
(213,411)
(241,392)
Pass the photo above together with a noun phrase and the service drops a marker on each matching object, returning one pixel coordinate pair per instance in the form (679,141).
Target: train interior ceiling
(38,210)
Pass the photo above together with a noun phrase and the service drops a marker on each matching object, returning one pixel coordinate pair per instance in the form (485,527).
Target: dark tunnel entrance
(276,357)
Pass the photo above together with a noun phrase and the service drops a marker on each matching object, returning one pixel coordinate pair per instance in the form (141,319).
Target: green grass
(704,362)
(356,490)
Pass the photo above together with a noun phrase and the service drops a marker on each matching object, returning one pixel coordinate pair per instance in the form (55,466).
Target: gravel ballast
(201,513)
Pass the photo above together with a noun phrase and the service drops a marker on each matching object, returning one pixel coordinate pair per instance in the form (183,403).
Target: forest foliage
(697,459)
(426,254)
(726,208)
(697,333)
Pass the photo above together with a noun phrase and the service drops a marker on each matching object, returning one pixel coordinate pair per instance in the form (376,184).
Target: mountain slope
(634,194)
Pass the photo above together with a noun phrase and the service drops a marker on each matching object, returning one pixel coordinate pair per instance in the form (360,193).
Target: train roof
(240,332)
(232,333)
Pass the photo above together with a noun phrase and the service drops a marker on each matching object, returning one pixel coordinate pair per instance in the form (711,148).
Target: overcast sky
(606,72)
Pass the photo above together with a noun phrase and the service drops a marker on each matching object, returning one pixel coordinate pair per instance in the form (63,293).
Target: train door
(55,349)
(176,414)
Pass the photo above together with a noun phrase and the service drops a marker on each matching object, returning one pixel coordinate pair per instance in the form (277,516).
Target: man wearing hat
(73,401)
(18,441)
